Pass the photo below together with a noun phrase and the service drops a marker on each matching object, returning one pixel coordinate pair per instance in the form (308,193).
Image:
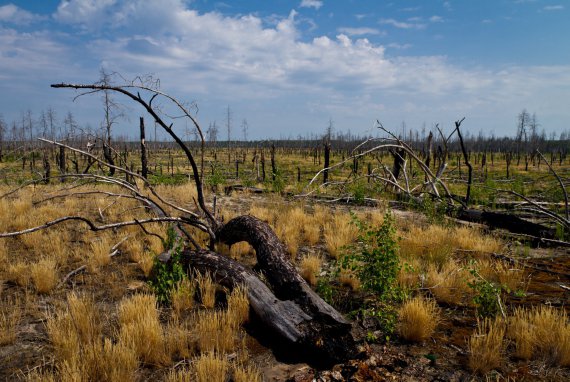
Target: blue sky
(289,67)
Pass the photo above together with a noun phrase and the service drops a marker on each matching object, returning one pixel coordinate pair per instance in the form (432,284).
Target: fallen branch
(114,252)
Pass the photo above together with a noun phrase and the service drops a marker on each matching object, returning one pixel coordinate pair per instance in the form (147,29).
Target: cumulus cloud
(360,31)
(89,13)
(311,4)
(436,19)
(553,8)
(12,14)
(403,25)
(210,56)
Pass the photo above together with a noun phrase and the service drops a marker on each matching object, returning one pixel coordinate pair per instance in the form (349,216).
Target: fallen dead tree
(432,186)
(286,305)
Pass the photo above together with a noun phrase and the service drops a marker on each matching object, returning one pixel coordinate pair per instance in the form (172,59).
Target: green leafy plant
(216,178)
(487,295)
(165,276)
(325,289)
(374,259)
(434,212)
(278,184)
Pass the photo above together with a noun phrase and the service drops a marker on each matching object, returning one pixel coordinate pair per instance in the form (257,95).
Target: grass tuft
(211,367)
(310,267)
(338,233)
(10,316)
(486,346)
(216,331)
(207,289)
(182,297)
(238,305)
(44,274)
(418,319)
(141,329)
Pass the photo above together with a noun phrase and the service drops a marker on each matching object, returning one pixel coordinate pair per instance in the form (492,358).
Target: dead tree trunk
(144,163)
(327,160)
(273,168)
(61,163)
(321,327)
(47,169)
(466,160)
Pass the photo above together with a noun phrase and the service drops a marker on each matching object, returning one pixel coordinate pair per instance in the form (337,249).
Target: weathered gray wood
(312,333)
(273,259)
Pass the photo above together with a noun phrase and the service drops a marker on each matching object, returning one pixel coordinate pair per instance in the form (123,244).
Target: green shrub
(374,259)
(165,276)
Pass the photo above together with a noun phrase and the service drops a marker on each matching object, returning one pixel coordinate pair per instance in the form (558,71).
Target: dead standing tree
(287,306)
(435,187)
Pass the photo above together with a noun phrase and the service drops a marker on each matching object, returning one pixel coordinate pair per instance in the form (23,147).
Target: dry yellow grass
(56,245)
(3,253)
(179,343)
(182,297)
(448,285)
(207,289)
(141,330)
(100,361)
(409,274)
(509,276)
(153,243)
(312,232)
(522,333)
(432,244)
(435,244)
(552,334)
(338,233)
(134,248)
(347,278)
(473,239)
(486,346)
(321,214)
(211,367)
(216,331)
(99,254)
(238,305)
(418,319)
(263,213)
(41,376)
(146,262)
(247,373)
(44,274)
(75,334)
(10,316)
(85,316)
(19,273)
(180,375)
(310,267)
(81,351)
(240,249)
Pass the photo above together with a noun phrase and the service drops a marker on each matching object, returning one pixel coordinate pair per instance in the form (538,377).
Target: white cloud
(402,25)
(14,15)
(436,19)
(311,4)
(87,13)
(361,31)
(217,59)
(553,8)
(395,45)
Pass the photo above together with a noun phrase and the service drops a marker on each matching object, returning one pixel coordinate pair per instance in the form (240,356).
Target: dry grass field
(106,323)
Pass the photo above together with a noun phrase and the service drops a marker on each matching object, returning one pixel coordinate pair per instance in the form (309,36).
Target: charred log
(327,330)
(506,221)
(320,340)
